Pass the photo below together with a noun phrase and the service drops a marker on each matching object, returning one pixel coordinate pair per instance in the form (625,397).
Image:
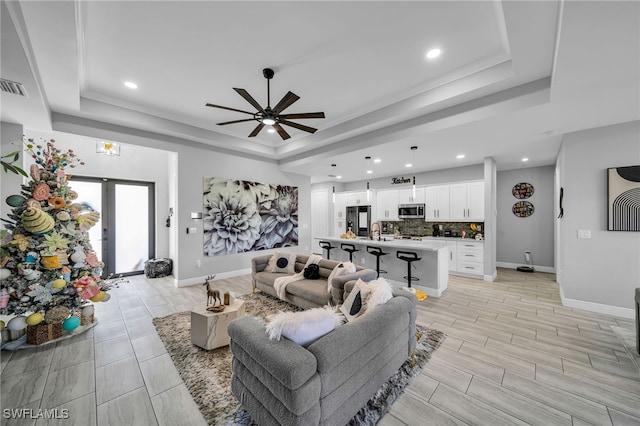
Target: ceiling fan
(271,116)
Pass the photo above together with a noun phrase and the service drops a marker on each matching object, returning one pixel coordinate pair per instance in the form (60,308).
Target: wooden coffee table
(209,329)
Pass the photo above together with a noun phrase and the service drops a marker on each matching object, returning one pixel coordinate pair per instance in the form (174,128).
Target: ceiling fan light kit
(271,116)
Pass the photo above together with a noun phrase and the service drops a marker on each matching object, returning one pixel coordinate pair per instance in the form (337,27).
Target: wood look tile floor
(513,356)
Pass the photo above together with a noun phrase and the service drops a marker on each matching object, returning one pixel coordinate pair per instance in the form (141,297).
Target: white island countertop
(423,245)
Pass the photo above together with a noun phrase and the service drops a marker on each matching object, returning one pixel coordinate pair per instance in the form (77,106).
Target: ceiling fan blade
(283,134)
(286,102)
(256,130)
(248,98)
(303,115)
(298,126)
(235,121)
(230,109)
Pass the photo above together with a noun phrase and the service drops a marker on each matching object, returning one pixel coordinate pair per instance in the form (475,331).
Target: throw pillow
(340,269)
(282,263)
(355,304)
(380,292)
(304,327)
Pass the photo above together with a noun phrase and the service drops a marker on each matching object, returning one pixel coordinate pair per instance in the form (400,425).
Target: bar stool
(409,257)
(327,246)
(349,248)
(377,252)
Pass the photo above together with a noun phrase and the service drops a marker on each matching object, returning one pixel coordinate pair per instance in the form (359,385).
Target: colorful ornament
(37,221)
(78,257)
(34,319)
(56,315)
(57,202)
(70,323)
(22,241)
(41,192)
(16,200)
(4,273)
(59,283)
(31,274)
(87,220)
(87,287)
(31,258)
(34,204)
(17,323)
(99,297)
(50,261)
(63,215)
(54,241)
(34,170)
(4,298)
(71,194)
(92,260)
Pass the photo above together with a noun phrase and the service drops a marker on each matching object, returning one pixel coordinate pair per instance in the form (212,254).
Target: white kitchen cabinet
(387,205)
(467,201)
(339,214)
(453,255)
(470,257)
(437,202)
(358,198)
(405,196)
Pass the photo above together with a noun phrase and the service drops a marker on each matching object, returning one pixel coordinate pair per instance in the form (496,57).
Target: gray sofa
(307,293)
(330,380)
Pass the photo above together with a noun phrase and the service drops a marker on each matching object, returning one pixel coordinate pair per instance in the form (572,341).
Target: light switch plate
(584,233)
(192,230)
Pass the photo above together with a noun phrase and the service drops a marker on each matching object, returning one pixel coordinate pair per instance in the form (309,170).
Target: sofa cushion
(304,327)
(312,290)
(355,304)
(267,277)
(283,263)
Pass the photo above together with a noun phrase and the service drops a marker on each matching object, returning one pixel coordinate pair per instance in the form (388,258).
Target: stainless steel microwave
(411,211)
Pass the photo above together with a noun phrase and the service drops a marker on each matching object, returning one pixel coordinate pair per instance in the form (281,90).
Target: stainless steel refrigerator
(359,218)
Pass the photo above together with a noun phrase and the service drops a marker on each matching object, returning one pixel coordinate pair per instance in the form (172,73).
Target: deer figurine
(212,294)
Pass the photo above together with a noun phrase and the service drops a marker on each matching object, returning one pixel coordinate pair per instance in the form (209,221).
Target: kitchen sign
(400,180)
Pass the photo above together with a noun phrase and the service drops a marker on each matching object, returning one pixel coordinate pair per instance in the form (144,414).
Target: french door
(124,237)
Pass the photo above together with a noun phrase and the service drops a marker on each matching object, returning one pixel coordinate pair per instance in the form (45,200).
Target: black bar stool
(409,257)
(377,252)
(327,246)
(349,248)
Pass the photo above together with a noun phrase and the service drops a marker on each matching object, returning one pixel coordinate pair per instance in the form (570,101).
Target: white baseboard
(219,276)
(538,268)
(597,307)
(491,278)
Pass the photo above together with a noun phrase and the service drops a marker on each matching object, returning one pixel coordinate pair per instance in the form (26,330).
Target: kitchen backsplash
(420,228)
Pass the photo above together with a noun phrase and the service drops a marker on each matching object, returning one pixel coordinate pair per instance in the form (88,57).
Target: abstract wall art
(241,216)
(623,198)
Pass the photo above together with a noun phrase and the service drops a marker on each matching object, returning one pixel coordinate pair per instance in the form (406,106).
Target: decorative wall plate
(522,190)
(522,209)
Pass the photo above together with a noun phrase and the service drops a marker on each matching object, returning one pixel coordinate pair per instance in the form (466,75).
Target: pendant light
(414,188)
(368,192)
(334,195)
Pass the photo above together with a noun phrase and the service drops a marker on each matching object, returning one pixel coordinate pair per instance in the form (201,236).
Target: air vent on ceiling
(14,87)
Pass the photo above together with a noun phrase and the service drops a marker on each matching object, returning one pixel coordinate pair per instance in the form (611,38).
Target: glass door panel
(132,227)
(90,197)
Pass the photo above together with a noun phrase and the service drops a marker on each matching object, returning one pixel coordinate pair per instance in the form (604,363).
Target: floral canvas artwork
(241,216)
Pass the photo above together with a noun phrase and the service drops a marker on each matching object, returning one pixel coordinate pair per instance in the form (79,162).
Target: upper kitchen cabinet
(405,196)
(358,199)
(437,203)
(467,201)
(387,205)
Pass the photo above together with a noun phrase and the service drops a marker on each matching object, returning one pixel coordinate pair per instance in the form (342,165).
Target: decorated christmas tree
(48,268)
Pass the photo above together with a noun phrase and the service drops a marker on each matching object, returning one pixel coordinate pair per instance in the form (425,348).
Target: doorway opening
(124,237)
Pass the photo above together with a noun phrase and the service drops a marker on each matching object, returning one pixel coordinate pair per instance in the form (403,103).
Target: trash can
(158,268)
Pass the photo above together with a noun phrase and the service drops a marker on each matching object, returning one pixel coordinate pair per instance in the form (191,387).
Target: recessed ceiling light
(130,84)
(433,53)
(377,160)
(525,159)
(369,172)
(408,165)
(271,130)
(460,156)
(338,177)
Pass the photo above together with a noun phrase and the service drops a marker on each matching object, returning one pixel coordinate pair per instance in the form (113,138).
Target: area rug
(207,374)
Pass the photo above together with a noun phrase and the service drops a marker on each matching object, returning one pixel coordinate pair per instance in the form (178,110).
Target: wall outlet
(584,233)
(192,230)
(198,263)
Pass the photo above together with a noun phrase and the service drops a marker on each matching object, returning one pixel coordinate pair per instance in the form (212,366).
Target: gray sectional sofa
(327,382)
(307,294)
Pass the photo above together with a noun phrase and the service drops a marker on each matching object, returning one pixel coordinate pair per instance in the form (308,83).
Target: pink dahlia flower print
(242,216)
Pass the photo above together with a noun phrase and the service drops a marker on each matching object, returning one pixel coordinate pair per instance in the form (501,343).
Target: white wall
(602,272)
(11,141)
(534,233)
(194,161)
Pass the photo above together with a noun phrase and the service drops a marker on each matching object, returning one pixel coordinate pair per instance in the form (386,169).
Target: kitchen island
(432,270)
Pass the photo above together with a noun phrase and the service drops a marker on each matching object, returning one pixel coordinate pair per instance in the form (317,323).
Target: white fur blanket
(340,269)
(280,283)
